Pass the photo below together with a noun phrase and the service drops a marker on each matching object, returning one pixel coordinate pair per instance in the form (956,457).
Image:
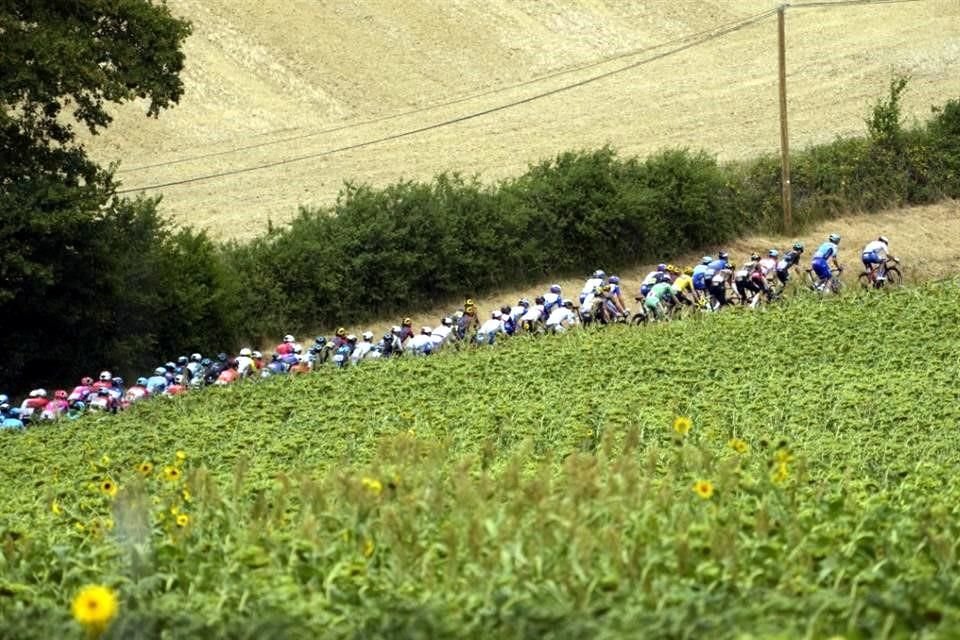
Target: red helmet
(60,394)
(86,381)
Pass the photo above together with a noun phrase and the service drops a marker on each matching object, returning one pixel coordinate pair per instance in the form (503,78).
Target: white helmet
(196,357)
(105,376)
(883,239)
(256,354)
(368,335)
(496,315)
(246,352)
(426,330)
(448,321)
(288,338)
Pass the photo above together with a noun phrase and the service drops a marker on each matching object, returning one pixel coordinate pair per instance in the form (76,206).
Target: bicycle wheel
(638,318)
(864,280)
(893,277)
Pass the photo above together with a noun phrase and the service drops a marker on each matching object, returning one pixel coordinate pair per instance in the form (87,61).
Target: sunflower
(372,485)
(682,425)
(782,456)
(94,607)
(781,474)
(171,473)
(187,497)
(183,520)
(738,445)
(145,468)
(368,547)
(108,488)
(181,457)
(703,488)
(55,508)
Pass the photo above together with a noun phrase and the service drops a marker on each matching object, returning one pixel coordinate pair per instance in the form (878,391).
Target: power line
(430,107)
(714,34)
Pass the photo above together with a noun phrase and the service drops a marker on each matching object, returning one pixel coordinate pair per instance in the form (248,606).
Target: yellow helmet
(688,271)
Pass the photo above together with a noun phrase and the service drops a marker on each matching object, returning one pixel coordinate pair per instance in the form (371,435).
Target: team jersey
(559,316)
(744,272)
(720,277)
(533,313)
(699,276)
(591,284)
(245,365)
(767,265)
(420,343)
(650,279)
(826,251)
(661,290)
(550,301)
(791,258)
(361,350)
(683,283)
(877,247)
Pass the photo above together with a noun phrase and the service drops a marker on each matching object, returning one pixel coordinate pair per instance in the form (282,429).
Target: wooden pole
(784,137)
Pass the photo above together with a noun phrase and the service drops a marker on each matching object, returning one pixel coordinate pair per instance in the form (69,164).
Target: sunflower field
(785,473)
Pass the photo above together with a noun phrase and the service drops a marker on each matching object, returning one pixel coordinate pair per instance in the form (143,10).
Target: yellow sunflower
(372,485)
(703,488)
(109,488)
(682,425)
(781,474)
(145,468)
(368,547)
(738,445)
(183,520)
(95,606)
(55,508)
(171,474)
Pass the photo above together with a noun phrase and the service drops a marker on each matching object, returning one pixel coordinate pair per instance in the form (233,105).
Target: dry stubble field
(275,75)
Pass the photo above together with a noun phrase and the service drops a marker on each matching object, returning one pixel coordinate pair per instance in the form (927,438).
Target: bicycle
(883,276)
(832,285)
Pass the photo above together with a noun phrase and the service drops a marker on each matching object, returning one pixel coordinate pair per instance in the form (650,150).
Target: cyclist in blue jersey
(826,253)
(699,271)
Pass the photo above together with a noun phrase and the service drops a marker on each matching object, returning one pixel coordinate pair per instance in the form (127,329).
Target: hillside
(535,489)
(278,74)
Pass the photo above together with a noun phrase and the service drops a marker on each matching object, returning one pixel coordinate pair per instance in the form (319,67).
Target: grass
(534,489)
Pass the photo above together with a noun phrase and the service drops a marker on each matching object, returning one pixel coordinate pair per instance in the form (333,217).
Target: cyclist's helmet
(351,338)
(426,331)
(394,329)
(178,378)
(505,310)
(798,246)
(523,302)
(706,259)
(206,362)
(407,322)
(170,366)
(196,357)
(117,381)
(773,253)
(723,255)
(539,300)
(834,238)
(182,360)
(105,376)
(600,273)
(222,357)
(883,239)
(288,338)
(555,288)
(368,335)
(661,267)
(141,381)
(688,271)
(754,256)
(86,381)
(614,280)
(103,391)
(247,352)
(447,321)
(159,371)
(60,394)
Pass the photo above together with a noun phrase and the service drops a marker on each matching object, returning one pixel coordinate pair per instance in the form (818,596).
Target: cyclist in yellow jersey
(684,284)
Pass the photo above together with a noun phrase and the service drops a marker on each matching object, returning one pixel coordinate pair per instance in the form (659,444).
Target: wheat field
(267,81)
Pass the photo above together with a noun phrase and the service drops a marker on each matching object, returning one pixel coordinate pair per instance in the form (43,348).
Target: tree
(63,62)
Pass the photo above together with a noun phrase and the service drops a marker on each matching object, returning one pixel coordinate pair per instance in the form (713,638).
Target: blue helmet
(555,288)
(142,381)
(661,267)
(614,280)
(773,253)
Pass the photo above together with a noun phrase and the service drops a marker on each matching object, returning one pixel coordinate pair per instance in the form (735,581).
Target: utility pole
(784,138)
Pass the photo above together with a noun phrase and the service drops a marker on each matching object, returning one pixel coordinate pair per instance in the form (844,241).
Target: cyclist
(660,274)
(246,367)
(742,280)
(598,278)
(768,264)
(180,385)
(616,295)
(339,338)
(509,324)
(440,333)
(517,311)
(699,275)
(790,259)
(82,391)
(363,348)
(9,417)
(105,381)
(56,407)
(286,347)
(157,383)
(684,286)
(534,315)
(137,392)
(825,253)
(661,295)
(874,254)
(421,344)
(104,401)
(194,366)
(562,317)
(552,300)
(717,284)
(488,331)
(468,321)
